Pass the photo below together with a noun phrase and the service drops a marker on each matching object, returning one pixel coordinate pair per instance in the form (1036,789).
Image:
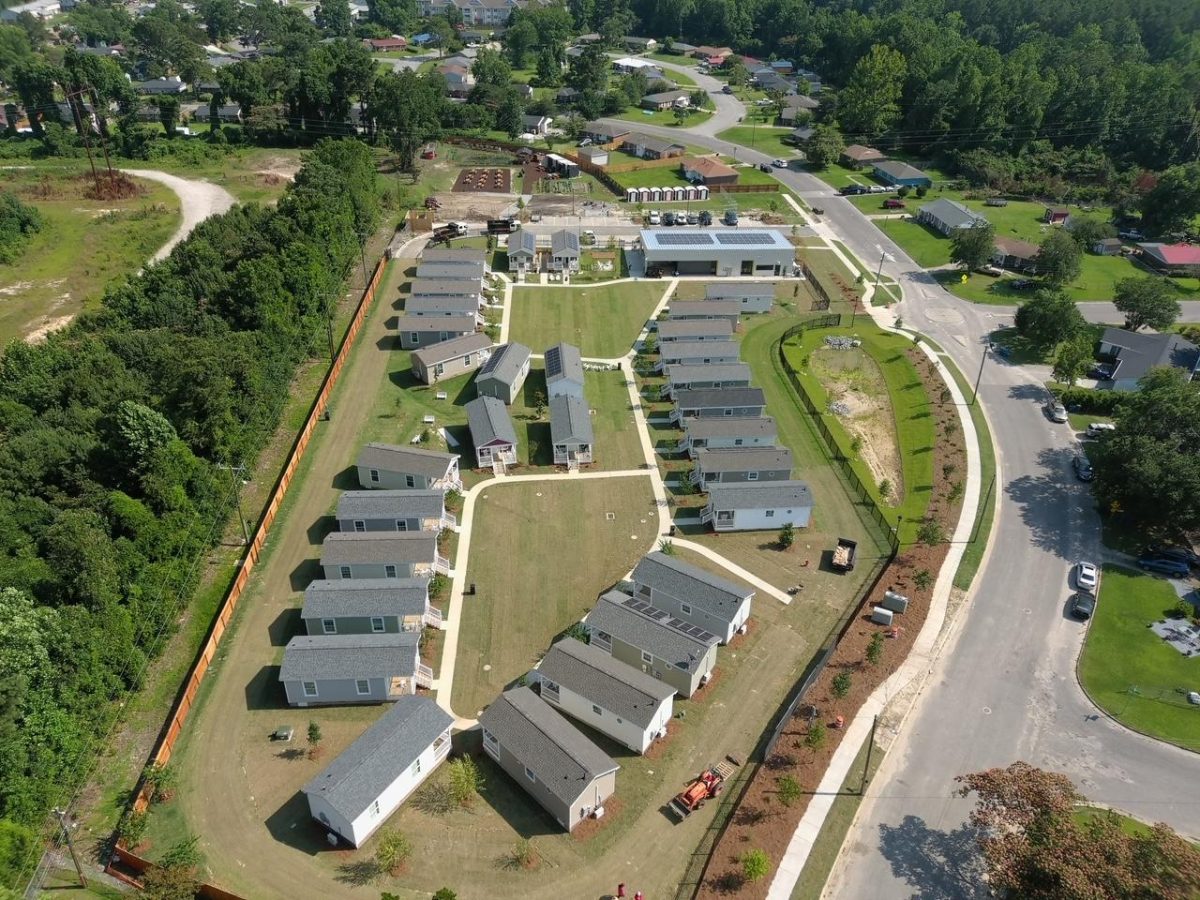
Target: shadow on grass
(292,825)
(304,574)
(264,691)
(321,528)
(513,805)
(286,625)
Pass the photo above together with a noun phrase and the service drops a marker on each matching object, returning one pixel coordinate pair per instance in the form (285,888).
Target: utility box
(881,616)
(895,602)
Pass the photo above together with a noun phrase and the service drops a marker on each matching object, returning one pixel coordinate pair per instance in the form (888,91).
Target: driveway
(729,109)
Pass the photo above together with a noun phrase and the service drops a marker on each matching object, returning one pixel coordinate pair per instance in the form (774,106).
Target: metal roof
(505,364)
(682,308)
(609,683)
(669,238)
(380,755)
(489,421)
(560,757)
(683,328)
(405,460)
(760,495)
(363,597)
(726,290)
(570,421)
(656,631)
(344,548)
(735,426)
(745,459)
(332,656)
(444,351)
(691,584)
(564,363)
(709,398)
(700,350)
(390,505)
(681,374)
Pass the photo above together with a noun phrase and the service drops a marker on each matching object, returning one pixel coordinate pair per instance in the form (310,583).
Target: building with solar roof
(564,371)
(726,254)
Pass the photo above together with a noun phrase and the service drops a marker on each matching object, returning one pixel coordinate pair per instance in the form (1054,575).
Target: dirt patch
(47,327)
(483,181)
(463,207)
(279,169)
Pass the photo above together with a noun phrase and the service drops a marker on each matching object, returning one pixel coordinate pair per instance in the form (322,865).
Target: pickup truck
(844,554)
(501,226)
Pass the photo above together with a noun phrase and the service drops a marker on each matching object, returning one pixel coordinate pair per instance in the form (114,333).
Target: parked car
(586,142)
(1055,411)
(893,203)
(879,189)
(1101,371)
(853,190)
(726,89)
(779,163)
(1099,429)
(1170,567)
(1082,606)
(1131,235)
(655,218)
(764,167)
(994,271)
(1022,284)
(705,217)
(1087,577)
(1179,554)
(1083,468)
(692,219)
(730,217)
(668,219)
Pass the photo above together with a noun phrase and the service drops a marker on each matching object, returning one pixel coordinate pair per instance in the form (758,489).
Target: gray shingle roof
(760,495)
(489,421)
(564,363)
(674,329)
(457,325)
(682,308)
(505,364)
(666,96)
(712,398)
(570,421)
(464,255)
(451,271)
(434,286)
(700,349)
(603,129)
(347,597)
(444,351)
(691,584)
(564,243)
(952,213)
(524,242)
(330,656)
(681,374)
(564,761)
(390,505)
(745,426)
(441,304)
(405,460)
(1142,352)
(380,755)
(657,145)
(725,289)
(609,683)
(745,459)
(344,549)
(898,169)
(653,630)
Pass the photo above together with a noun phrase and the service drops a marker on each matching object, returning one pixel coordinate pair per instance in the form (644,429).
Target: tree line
(112,434)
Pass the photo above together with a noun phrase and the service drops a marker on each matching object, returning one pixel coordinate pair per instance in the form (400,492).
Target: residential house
(627,65)
(758,507)
(492,433)
(566,96)
(1135,354)
(632,631)
(386,45)
(677,330)
(444,305)
(368,606)
(901,174)
(525,92)
(1171,259)
(711,53)
(699,310)
(381,554)
(740,465)
(227,113)
(539,125)
(160,86)
(856,156)
(644,146)
(1056,215)
(1010,253)
(369,780)
(719,402)
(690,593)
(459,80)
(723,433)
(696,378)
(797,107)
(597,156)
(697,353)
(1107,247)
(522,252)
(800,136)
(451,271)
(564,251)
(606,694)
(638,44)
(571,431)
(342,669)
(677,99)
(680,48)
(446,287)
(422,331)
(504,373)
(767,80)
(706,170)
(390,466)
(39,9)
(564,371)
(606,135)
(362,511)
(782,66)
(450,358)
(455,256)
(568,775)
(948,216)
(754,296)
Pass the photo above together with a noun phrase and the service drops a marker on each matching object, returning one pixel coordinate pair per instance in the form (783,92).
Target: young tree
(875,649)
(170,883)
(1073,358)
(168,114)
(923,581)
(815,739)
(666,547)
(755,865)
(549,72)
(841,684)
(789,790)
(1147,302)
(972,248)
(1059,260)
(464,780)
(787,535)
(1088,230)
(314,740)
(870,102)
(444,894)
(824,147)
(392,851)
(680,113)
(509,113)
(1048,319)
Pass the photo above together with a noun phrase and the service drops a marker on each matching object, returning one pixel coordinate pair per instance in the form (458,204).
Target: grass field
(664,117)
(522,602)
(764,138)
(251,175)
(602,321)
(1129,671)
(82,247)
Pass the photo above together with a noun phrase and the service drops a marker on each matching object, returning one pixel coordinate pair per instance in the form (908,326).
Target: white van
(1099,429)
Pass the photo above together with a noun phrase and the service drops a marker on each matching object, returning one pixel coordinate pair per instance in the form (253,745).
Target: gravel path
(197,199)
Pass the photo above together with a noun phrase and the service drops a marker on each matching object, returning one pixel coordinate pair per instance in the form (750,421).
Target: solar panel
(684,239)
(553,362)
(746,238)
(646,609)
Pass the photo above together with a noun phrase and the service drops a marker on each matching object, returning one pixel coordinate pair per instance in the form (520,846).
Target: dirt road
(197,199)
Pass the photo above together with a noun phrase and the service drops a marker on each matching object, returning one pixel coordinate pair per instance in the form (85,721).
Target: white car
(655,218)
(1087,577)
(779,163)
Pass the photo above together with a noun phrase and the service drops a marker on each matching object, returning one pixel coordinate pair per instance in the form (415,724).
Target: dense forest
(110,434)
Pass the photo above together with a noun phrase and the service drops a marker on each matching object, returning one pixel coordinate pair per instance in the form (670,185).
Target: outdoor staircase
(433,617)
(424,676)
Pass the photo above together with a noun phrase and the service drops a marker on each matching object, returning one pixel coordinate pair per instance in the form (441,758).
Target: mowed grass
(764,138)
(83,245)
(540,555)
(602,321)
(1128,670)
(664,117)
(251,175)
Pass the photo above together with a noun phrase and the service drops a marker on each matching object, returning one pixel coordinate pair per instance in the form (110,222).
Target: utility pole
(979,376)
(866,775)
(235,474)
(61,814)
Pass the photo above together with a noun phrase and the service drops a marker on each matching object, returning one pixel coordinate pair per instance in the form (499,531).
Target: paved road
(728,108)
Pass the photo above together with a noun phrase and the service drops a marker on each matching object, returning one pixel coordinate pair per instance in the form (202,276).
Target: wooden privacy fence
(123,858)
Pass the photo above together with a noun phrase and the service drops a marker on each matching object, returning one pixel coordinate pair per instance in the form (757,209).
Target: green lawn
(602,321)
(251,175)
(825,265)
(764,138)
(524,601)
(664,117)
(923,244)
(651,176)
(1130,672)
(838,176)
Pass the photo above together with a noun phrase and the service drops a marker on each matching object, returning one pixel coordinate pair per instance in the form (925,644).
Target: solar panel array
(684,239)
(553,362)
(745,238)
(665,618)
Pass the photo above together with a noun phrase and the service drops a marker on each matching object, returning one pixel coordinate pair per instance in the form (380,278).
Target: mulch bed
(760,820)
(483,181)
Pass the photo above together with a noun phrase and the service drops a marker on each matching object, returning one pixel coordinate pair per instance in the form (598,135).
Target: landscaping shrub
(755,865)
(1086,400)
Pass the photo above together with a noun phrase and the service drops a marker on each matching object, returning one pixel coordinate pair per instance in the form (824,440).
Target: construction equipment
(706,785)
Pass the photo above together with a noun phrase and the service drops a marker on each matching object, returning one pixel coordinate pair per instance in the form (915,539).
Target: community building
(746,251)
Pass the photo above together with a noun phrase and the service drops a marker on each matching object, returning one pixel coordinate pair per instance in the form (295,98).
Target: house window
(414,337)
(375,808)
(490,738)
(770,513)
(752,476)
(549,686)
(374,475)
(685,608)
(737,442)
(310,688)
(729,412)
(603,636)
(410,481)
(416,768)
(345,571)
(377,624)
(362,686)
(402,525)
(439,370)
(360,526)
(597,710)
(329,626)
(389,571)
(646,657)
(529,772)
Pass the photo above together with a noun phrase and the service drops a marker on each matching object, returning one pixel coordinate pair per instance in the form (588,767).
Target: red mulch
(659,747)
(588,828)
(760,821)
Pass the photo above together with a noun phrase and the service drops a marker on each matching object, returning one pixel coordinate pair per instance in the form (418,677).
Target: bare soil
(484,181)
(466,207)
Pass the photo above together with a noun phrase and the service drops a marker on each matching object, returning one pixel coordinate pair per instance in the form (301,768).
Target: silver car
(1056,411)
(1087,576)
